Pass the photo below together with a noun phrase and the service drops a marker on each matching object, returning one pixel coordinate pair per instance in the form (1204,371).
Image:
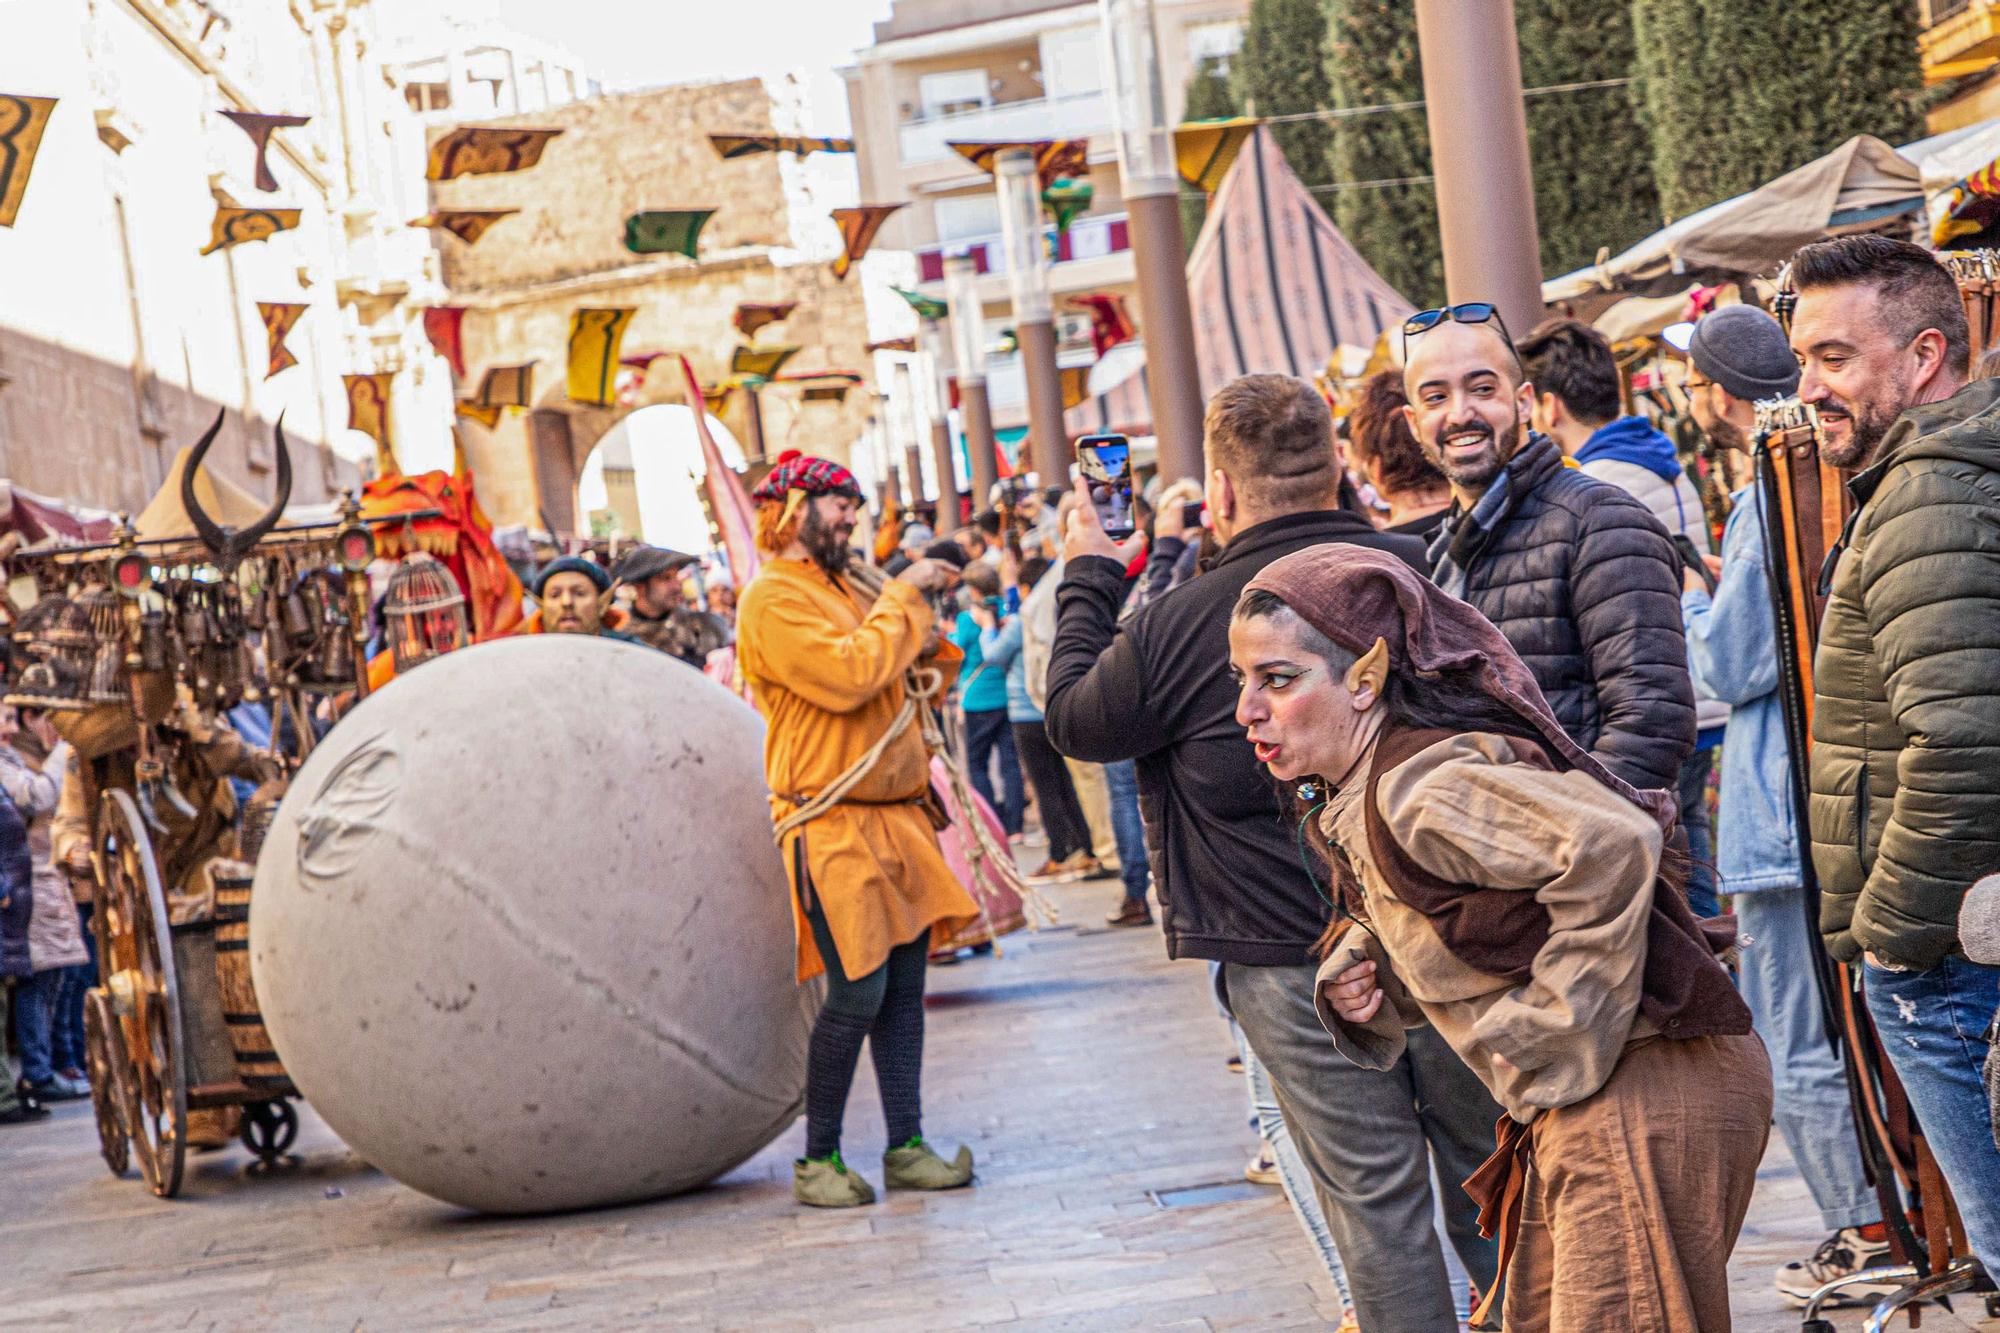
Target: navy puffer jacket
(1585,584)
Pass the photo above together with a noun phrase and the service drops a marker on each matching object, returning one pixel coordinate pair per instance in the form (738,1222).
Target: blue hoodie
(1632,440)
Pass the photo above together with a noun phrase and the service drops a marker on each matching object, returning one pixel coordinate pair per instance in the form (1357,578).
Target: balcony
(1963,37)
(1074,117)
(1087,238)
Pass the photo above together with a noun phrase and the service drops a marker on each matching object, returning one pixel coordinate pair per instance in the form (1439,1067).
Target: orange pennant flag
(22,120)
(233,225)
(278,317)
(857,232)
(468,224)
(485,152)
(441,326)
(368,412)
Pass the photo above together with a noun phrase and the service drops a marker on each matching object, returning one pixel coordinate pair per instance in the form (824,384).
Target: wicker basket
(257,1064)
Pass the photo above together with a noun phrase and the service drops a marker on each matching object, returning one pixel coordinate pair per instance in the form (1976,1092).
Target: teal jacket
(981,688)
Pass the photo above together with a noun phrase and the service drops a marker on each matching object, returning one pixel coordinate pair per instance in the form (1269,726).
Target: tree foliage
(1736,92)
(1281,70)
(1208,98)
(1371,59)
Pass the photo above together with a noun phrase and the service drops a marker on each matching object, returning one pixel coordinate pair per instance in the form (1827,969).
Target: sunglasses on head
(1470,312)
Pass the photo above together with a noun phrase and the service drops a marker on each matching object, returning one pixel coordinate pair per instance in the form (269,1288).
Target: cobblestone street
(1085,1070)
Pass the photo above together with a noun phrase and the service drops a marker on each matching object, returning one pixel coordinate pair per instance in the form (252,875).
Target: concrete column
(1166,324)
(1479,152)
(947,475)
(1046,433)
(975,413)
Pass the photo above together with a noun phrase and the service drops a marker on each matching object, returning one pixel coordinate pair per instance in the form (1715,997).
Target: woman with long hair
(1494,880)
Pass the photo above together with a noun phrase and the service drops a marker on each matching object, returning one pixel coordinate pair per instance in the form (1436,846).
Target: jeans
(1368,1139)
(1700,833)
(68,1037)
(1292,1173)
(1122,781)
(1933,1025)
(34,1023)
(987,733)
(1810,1089)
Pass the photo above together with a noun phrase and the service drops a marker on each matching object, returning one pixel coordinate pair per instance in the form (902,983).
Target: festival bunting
(754,315)
(368,412)
(760,362)
(233,226)
(1075,381)
(278,317)
(747,145)
(442,327)
(857,232)
(259,126)
(468,224)
(801,376)
(486,414)
(1205,149)
(734,515)
(1054,158)
(927,307)
(594,335)
(22,120)
(669,231)
(485,152)
(506,386)
(1110,323)
(1066,198)
(1972,205)
(894,345)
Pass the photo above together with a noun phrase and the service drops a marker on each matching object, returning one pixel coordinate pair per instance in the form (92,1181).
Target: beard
(1867,422)
(1477,472)
(825,543)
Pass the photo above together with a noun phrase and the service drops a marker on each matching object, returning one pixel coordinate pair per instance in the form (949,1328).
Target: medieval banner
(22,120)
(927,307)
(441,326)
(468,224)
(1055,159)
(727,501)
(506,386)
(746,145)
(234,226)
(857,232)
(278,317)
(760,362)
(368,410)
(666,231)
(1110,323)
(486,414)
(259,126)
(1205,150)
(754,315)
(594,335)
(485,152)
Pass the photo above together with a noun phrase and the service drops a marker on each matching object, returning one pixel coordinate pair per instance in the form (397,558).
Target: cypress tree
(1281,70)
(1737,92)
(1208,98)
(1371,58)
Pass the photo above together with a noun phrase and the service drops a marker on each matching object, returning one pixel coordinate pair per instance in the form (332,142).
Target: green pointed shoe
(916,1166)
(827,1183)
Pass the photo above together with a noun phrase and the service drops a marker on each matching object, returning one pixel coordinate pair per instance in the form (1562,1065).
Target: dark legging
(987,734)
(886,1008)
(1055,794)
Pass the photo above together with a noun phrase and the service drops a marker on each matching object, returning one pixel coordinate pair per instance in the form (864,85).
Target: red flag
(734,514)
(441,326)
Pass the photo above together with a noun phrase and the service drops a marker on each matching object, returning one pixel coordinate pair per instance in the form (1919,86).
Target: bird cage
(105,611)
(423,611)
(55,640)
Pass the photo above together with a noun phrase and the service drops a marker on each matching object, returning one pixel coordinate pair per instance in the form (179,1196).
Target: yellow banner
(22,120)
(234,226)
(485,152)
(278,317)
(368,412)
(1204,150)
(594,336)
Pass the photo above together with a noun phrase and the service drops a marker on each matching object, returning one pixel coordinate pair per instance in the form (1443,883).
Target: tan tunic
(1468,811)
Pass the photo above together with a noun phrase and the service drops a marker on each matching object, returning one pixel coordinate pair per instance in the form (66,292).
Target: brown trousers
(1636,1193)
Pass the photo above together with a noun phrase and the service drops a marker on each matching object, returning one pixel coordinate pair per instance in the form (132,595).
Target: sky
(646,43)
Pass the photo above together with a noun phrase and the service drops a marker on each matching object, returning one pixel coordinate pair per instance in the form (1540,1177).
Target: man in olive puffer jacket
(1905,802)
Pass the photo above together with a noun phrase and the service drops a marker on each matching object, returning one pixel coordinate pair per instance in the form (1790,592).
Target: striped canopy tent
(1274,285)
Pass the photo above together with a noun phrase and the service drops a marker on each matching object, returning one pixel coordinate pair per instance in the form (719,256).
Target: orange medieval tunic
(826,671)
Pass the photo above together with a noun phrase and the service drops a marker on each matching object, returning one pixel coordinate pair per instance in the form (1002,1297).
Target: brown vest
(1686,992)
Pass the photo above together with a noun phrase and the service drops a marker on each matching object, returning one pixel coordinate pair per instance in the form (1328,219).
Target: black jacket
(1586,585)
(1226,859)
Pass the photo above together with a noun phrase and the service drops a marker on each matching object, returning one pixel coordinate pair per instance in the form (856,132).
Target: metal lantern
(423,611)
(55,639)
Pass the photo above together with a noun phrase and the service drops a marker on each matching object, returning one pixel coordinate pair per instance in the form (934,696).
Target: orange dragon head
(458,534)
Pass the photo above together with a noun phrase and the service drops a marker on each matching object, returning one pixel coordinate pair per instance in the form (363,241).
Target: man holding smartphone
(1156,688)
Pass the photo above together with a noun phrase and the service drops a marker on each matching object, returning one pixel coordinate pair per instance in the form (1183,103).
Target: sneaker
(827,1183)
(1263,1168)
(26,1109)
(57,1089)
(1234,1064)
(916,1166)
(1087,866)
(1845,1251)
(1130,913)
(1053,872)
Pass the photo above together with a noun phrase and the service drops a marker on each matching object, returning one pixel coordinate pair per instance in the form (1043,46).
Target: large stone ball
(521,936)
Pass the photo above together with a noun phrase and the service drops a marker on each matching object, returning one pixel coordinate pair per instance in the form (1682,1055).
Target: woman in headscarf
(1493,879)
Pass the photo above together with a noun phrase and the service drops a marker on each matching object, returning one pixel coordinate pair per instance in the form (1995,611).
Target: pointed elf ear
(1372,670)
(793,499)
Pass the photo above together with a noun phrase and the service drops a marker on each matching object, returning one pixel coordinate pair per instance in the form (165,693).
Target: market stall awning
(43,521)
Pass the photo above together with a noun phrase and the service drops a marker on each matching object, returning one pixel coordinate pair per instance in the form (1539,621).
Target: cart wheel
(107,1083)
(268,1130)
(147,992)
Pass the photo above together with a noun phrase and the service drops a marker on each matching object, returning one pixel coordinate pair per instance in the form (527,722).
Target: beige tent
(164,519)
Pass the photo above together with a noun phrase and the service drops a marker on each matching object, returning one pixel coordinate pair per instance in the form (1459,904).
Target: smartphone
(1105,462)
(1191,515)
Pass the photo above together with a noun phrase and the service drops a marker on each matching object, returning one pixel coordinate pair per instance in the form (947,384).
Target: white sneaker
(1263,1168)
(1845,1251)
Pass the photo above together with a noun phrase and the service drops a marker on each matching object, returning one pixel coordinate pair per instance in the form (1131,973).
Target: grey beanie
(1745,351)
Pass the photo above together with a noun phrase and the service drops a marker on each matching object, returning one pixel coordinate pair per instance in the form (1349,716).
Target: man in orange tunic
(843,752)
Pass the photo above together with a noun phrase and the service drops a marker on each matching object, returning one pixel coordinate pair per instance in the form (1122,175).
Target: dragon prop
(458,533)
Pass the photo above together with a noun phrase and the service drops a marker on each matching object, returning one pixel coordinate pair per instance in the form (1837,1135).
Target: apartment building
(941,71)
(451,71)
(1961,41)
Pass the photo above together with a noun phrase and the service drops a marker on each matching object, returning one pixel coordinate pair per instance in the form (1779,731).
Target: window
(954,91)
(428,96)
(1215,42)
(1071,63)
(963,216)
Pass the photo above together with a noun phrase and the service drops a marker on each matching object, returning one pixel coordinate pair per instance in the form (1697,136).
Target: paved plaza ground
(1086,1071)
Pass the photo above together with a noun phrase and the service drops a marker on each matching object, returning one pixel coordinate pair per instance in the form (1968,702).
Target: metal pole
(1479,153)
(968,338)
(1144,130)
(1019,186)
